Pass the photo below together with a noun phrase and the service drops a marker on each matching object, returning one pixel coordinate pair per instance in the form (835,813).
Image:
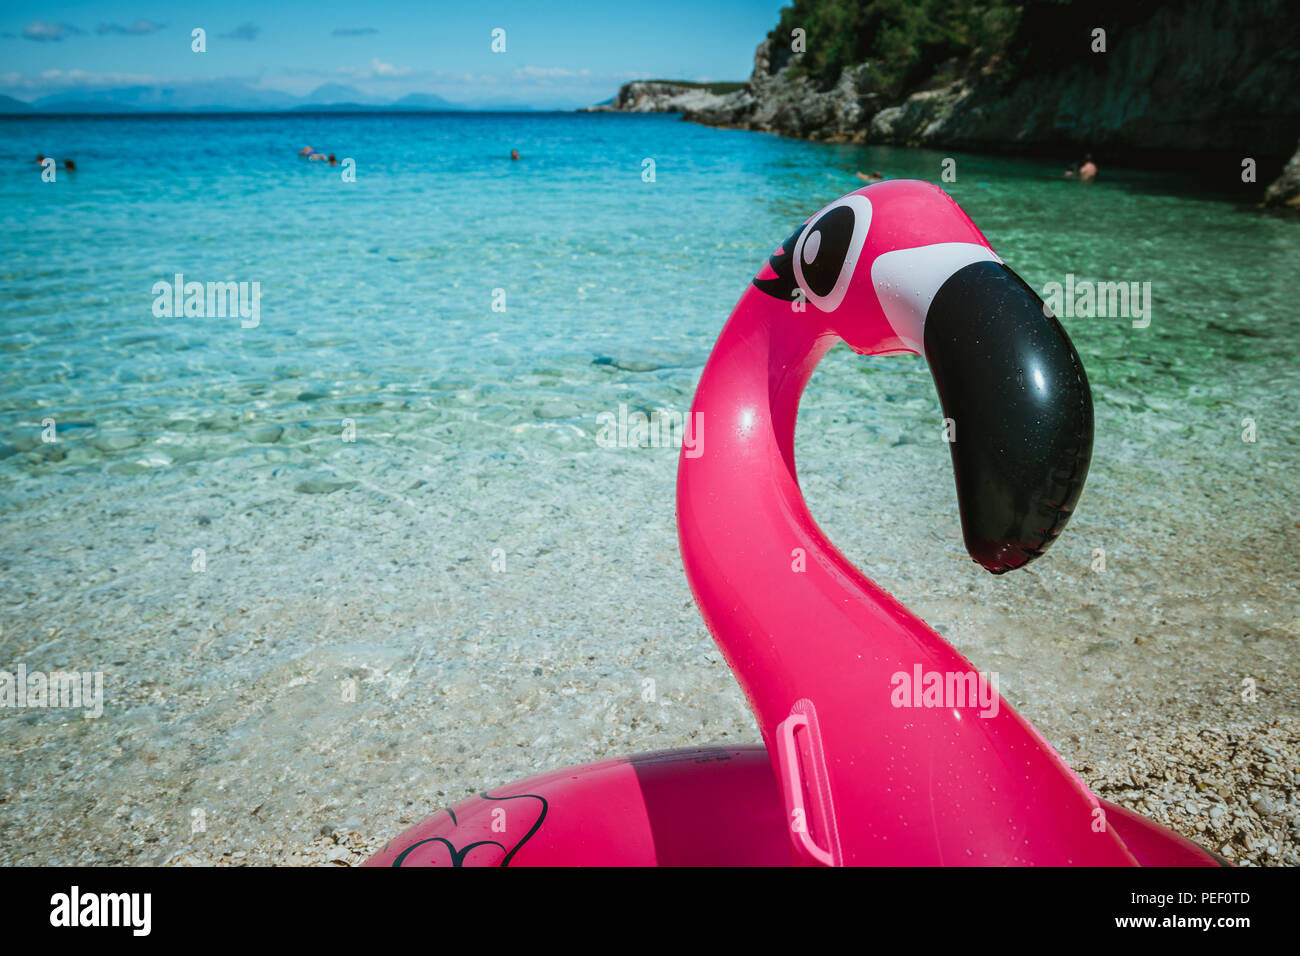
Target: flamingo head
(899,267)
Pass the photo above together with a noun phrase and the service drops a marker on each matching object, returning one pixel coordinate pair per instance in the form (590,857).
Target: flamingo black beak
(1019,410)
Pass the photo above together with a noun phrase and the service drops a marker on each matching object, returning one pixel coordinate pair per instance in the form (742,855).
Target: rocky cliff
(656,96)
(1195,81)
(1285,191)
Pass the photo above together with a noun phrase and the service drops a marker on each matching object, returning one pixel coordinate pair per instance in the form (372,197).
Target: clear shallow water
(475,431)
(377,295)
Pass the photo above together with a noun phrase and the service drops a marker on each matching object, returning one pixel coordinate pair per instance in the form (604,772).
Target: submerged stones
(627,365)
(321,486)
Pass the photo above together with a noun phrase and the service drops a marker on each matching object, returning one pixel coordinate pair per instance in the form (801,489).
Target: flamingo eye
(828,249)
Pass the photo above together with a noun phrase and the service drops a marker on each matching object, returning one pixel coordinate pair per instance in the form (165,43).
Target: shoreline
(1278,174)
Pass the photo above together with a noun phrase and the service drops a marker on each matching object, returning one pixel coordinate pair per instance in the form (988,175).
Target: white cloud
(245,31)
(139,28)
(548,73)
(379,68)
(43,32)
(82,78)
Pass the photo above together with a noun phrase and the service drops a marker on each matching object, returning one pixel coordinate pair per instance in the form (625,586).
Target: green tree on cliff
(906,42)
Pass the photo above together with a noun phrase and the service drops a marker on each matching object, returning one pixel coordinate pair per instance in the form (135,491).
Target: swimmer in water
(316,158)
(1086,172)
(67,164)
(874,176)
(514,154)
(333,161)
(306,151)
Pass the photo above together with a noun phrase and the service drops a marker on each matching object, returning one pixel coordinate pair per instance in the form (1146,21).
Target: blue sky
(558,53)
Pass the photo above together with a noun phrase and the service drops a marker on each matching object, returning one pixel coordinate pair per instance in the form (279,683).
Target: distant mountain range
(10,105)
(224,96)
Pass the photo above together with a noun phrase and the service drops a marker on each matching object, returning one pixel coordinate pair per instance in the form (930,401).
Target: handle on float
(804,787)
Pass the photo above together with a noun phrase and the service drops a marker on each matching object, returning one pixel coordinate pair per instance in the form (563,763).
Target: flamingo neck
(761,570)
(809,637)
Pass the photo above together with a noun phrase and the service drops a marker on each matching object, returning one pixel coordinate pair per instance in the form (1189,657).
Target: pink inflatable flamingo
(884,745)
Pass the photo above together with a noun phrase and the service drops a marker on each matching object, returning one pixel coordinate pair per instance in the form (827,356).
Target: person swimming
(514,154)
(874,176)
(332,160)
(306,151)
(1086,171)
(317,158)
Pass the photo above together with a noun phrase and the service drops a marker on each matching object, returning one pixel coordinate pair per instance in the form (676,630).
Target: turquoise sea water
(379,293)
(475,432)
